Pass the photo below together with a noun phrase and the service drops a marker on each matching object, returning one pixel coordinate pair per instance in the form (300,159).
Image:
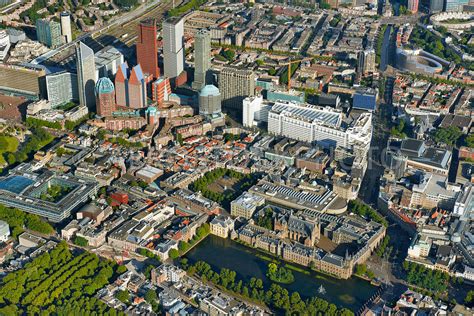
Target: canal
(225,253)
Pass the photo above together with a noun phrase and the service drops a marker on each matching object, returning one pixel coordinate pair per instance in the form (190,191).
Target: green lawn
(7,144)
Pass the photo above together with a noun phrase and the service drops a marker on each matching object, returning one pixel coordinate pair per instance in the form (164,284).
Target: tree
(150,296)
(123,296)
(449,135)
(470,140)
(121,269)
(361,269)
(469,299)
(81,241)
(174,254)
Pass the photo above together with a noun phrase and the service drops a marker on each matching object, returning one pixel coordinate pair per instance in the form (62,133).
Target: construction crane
(291,62)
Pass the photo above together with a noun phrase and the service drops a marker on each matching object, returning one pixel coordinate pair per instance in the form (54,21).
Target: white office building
(173,47)
(255,110)
(4,44)
(66,31)
(4,231)
(325,126)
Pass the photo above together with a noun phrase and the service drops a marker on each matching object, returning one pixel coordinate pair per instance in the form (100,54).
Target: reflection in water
(224,253)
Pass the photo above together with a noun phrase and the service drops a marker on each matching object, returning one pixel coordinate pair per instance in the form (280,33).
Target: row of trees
(18,220)
(274,296)
(366,211)
(420,276)
(35,123)
(190,5)
(55,282)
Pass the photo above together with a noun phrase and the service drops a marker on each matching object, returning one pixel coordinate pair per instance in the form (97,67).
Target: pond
(248,263)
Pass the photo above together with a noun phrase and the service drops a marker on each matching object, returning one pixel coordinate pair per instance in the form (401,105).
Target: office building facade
(322,125)
(48,33)
(107,62)
(105,97)
(147,47)
(413,6)
(161,90)
(202,58)
(85,64)
(173,50)
(137,89)
(130,87)
(62,88)
(66,26)
(366,62)
(235,85)
(455,5)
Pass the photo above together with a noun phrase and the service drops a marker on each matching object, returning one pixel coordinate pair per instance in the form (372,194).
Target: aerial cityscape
(237,157)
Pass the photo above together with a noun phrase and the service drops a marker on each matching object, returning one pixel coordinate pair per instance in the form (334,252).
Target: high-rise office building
(202,58)
(209,100)
(107,62)
(235,85)
(61,88)
(413,6)
(130,87)
(85,64)
(121,85)
(48,33)
(455,5)
(137,88)
(161,90)
(147,48)
(66,27)
(173,50)
(435,6)
(105,97)
(366,62)
(4,44)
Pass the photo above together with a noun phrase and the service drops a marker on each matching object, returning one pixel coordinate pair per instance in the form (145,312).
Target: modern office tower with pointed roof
(173,47)
(121,85)
(202,58)
(137,89)
(105,97)
(85,64)
(147,48)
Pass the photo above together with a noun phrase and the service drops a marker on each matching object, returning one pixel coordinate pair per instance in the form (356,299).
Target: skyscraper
(436,6)
(48,33)
(147,48)
(121,85)
(61,87)
(85,64)
(202,58)
(66,27)
(366,62)
(173,50)
(105,97)
(413,6)
(137,89)
(130,87)
(455,5)
(235,85)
